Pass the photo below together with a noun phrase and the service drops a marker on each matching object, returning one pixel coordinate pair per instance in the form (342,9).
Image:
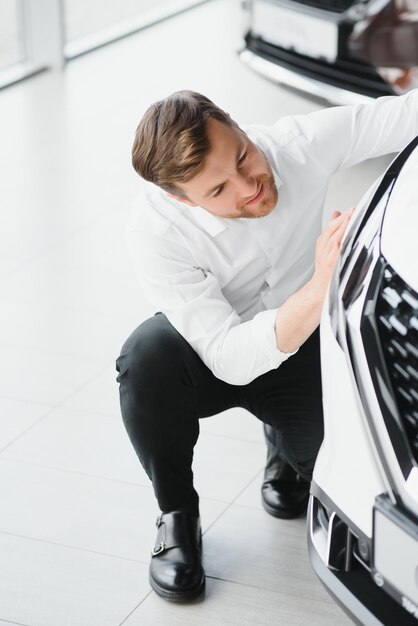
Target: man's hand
(299,315)
(327,249)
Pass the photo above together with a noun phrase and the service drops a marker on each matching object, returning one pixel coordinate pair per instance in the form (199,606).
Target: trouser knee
(156,371)
(152,355)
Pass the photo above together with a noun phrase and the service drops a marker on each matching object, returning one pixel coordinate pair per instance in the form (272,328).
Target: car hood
(399,236)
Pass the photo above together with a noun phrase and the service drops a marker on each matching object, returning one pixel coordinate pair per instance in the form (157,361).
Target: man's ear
(180,199)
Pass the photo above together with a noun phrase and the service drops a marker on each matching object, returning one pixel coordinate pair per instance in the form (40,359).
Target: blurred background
(77,510)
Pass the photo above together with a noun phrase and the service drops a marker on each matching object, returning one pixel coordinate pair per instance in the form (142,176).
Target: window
(12,49)
(41,34)
(88,25)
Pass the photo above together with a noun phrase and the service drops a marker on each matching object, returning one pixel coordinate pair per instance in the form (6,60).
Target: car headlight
(346,284)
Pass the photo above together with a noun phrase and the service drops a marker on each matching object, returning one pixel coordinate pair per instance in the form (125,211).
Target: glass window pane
(84,18)
(11,39)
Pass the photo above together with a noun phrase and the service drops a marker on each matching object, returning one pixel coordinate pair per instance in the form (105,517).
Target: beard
(268,202)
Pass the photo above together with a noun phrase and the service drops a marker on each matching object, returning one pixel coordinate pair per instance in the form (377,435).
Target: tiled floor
(77,510)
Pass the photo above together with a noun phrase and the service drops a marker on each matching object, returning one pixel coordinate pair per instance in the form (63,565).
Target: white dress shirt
(219,280)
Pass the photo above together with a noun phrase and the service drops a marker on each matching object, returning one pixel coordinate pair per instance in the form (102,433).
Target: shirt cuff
(263,327)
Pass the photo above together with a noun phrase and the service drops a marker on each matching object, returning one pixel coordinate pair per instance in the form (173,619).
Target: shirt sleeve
(191,298)
(342,136)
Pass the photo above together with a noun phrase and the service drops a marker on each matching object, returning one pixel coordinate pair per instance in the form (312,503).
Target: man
(225,238)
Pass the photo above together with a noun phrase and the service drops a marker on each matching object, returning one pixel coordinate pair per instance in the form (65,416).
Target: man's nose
(246,185)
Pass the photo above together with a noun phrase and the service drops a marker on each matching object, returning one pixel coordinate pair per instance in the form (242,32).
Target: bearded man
(226,240)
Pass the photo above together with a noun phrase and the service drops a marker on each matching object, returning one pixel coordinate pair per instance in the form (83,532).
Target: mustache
(265,179)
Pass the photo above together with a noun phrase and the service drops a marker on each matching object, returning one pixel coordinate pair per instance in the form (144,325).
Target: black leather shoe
(284,493)
(176,572)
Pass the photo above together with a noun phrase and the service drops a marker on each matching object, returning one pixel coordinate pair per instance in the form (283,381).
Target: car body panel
(363,512)
(400,224)
(345,440)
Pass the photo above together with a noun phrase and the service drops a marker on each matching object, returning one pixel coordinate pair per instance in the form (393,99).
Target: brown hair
(171,142)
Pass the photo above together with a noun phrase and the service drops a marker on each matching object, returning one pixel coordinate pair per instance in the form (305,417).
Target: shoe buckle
(158,550)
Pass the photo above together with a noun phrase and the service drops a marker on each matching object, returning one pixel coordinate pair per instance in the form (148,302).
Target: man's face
(236,179)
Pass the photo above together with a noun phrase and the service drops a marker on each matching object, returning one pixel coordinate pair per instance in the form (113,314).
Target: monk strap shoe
(176,571)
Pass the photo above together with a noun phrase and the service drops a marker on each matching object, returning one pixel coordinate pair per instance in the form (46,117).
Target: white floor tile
(103,516)
(98,445)
(78,441)
(101,394)
(251,495)
(16,417)
(224,466)
(76,332)
(230,604)
(38,376)
(50,585)
(250,547)
(101,246)
(236,422)
(90,290)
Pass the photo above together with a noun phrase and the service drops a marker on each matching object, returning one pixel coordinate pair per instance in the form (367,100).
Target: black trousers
(165,388)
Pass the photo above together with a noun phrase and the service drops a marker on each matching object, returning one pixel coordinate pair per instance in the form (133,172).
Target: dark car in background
(341,50)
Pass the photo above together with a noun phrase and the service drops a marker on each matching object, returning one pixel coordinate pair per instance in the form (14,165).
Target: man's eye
(242,158)
(218,191)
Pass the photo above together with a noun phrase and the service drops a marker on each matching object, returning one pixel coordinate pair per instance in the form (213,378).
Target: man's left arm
(339,137)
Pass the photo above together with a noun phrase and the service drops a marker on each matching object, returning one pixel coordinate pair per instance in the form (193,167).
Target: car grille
(397,322)
(336,6)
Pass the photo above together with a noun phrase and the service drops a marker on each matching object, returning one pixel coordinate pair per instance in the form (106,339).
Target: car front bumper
(363,512)
(354,589)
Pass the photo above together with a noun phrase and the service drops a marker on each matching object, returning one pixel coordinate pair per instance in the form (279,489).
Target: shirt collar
(211,223)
